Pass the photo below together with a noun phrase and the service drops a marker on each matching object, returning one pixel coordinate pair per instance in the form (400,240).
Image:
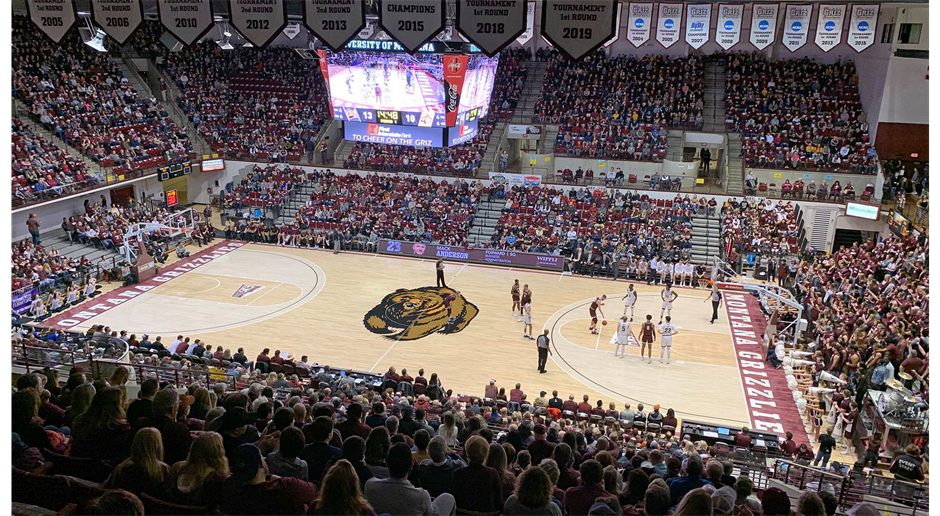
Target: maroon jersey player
(514,292)
(448,301)
(596,307)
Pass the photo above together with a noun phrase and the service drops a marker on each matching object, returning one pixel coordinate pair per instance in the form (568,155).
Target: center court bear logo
(416,313)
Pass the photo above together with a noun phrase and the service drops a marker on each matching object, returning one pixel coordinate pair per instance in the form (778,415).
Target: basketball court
(315,303)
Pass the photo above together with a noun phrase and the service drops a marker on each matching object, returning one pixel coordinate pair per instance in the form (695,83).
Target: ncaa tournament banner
(697,24)
(862,26)
(728,31)
(258,21)
(412,23)
(117,18)
(763,25)
(187,20)
(529,31)
(334,22)
(54,18)
(796,25)
(455,71)
(614,39)
(639,23)
(668,23)
(578,27)
(829,23)
(491,25)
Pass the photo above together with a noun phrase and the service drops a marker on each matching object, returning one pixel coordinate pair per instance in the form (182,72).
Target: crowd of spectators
(262,104)
(83,98)
(764,228)
(622,107)
(269,186)
(42,170)
(462,159)
(798,114)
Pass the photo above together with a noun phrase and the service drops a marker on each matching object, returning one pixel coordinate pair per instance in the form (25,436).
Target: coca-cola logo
(453,98)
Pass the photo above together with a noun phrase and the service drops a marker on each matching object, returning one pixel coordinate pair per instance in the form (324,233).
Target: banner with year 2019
(258,21)
(117,18)
(668,23)
(862,26)
(829,23)
(53,17)
(698,24)
(491,25)
(639,23)
(578,27)
(187,20)
(796,25)
(412,23)
(333,22)
(728,30)
(763,25)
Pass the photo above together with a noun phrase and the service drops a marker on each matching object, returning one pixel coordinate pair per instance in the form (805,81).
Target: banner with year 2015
(578,27)
(639,23)
(258,21)
(668,23)
(187,20)
(829,23)
(763,25)
(698,24)
(796,25)
(334,22)
(412,23)
(117,18)
(862,24)
(53,17)
(491,25)
(728,30)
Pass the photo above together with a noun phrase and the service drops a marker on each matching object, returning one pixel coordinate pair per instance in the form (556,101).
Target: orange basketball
(604,322)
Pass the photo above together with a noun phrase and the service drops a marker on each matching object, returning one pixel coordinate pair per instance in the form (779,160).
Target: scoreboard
(175,170)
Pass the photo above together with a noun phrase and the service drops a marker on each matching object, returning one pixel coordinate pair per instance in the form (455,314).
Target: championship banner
(668,23)
(639,23)
(412,23)
(829,25)
(334,22)
(614,39)
(54,18)
(862,26)
(578,27)
(763,25)
(697,24)
(491,25)
(796,25)
(187,20)
(455,71)
(529,31)
(728,31)
(258,21)
(117,18)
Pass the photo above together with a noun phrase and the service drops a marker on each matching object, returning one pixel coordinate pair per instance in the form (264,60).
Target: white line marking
(268,291)
(373,257)
(217,285)
(596,344)
(458,272)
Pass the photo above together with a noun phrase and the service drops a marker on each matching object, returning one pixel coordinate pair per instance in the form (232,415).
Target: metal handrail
(179,377)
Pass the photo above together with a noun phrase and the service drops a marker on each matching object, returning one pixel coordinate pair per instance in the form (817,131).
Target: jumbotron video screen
(400,89)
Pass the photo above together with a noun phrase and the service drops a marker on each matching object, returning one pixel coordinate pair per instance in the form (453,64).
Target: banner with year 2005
(862,26)
(187,20)
(117,18)
(258,21)
(491,25)
(728,30)
(639,23)
(668,23)
(698,24)
(334,22)
(53,17)
(412,23)
(578,27)
(763,25)
(829,23)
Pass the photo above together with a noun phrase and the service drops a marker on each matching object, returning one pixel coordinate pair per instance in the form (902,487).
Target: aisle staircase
(713,103)
(735,174)
(484,223)
(706,238)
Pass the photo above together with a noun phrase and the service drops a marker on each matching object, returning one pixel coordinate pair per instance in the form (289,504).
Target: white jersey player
(623,330)
(668,297)
(666,330)
(629,302)
(527,321)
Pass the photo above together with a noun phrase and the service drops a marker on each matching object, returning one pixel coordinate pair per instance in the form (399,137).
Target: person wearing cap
(908,466)
(175,435)
(655,416)
(251,490)
(144,342)
(723,501)
(397,496)
(491,390)
(540,448)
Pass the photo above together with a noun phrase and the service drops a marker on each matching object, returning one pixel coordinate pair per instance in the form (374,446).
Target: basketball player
(668,297)
(623,329)
(447,304)
(526,298)
(629,302)
(667,330)
(378,93)
(514,292)
(440,273)
(527,321)
(595,307)
(647,336)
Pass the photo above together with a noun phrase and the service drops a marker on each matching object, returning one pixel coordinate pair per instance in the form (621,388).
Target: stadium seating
(764,228)
(41,170)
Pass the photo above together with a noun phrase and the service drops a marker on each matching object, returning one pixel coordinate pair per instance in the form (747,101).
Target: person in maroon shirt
(421,379)
(251,490)
(515,395)
(788,446)
(584,407)
(276,358)
(478,487)
(405,377)
(578,500)
(743,439)
(353,424)
(540,448)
